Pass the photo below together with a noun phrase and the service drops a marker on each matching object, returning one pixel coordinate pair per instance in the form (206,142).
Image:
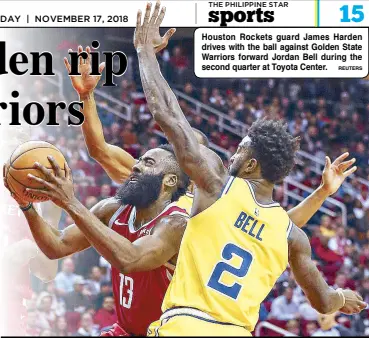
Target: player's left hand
(148,33)
(58,185)
(335,173)
(85,83)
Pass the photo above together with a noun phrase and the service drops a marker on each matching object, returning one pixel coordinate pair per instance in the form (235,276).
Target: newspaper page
(125,122)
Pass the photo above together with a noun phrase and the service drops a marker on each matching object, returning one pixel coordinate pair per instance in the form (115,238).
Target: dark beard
(142,193)
(233,171)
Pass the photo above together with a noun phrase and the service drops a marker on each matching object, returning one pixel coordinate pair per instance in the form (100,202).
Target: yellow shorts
(190,325)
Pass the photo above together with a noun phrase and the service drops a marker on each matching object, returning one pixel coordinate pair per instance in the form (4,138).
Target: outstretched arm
(57,244)
(115,161)
(53,243)
(202,165)
(145,254)
(333,176)
(322,298)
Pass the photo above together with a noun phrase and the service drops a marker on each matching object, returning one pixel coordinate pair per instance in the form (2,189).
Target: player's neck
(263,190)
(146,215)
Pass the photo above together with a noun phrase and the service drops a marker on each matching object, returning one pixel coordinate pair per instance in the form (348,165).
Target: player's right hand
(21,202)
(334,174)
(85,83)
(147,33)
(353,302)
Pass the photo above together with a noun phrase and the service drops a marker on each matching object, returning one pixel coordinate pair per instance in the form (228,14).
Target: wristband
(340,292)
(29,206)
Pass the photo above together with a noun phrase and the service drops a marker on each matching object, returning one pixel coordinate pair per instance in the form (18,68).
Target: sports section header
(292,13)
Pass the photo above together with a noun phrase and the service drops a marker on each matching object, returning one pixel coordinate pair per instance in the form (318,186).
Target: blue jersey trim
(269,205)
(289,229)
(197,317)
(226,186)
(203,319)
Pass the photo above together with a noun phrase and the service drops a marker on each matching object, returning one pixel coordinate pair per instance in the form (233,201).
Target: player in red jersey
(20,254)
(138,231)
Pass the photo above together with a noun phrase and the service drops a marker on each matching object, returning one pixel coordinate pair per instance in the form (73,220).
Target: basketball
(21,163)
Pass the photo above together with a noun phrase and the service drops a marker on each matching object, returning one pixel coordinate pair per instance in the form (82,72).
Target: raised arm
(322,298)
(202,165)
(333,176)
(145,254)
(115,161)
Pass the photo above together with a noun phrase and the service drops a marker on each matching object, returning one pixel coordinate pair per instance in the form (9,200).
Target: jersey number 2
(126,283)
(227,254)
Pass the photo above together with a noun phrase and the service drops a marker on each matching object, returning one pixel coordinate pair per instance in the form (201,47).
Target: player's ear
(251,165)
(170,180)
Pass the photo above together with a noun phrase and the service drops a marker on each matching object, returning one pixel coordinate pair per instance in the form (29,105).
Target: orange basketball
(21,164)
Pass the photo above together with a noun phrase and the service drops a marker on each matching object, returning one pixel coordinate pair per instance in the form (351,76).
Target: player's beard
(233,170)
(141,193)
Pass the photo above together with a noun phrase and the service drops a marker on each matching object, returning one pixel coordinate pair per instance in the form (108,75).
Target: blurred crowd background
(330,117)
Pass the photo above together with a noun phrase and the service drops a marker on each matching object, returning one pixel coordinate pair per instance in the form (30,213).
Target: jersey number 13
(125,291)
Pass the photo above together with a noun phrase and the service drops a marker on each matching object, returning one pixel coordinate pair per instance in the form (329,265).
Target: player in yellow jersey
(238,241)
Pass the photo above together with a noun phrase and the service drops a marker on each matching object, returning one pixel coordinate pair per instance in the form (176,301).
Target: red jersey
(16,287)
(139,295)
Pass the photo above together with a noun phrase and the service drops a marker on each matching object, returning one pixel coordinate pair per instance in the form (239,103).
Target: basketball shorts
(115,331)
(192,322)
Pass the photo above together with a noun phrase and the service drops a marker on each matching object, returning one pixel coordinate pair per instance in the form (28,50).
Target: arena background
(330,116)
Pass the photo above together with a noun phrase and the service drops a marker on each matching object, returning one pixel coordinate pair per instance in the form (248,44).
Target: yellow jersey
(185,202)
(231,255)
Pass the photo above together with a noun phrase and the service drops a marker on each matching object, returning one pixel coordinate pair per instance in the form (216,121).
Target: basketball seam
(14,192)
(11,163)
(17,180)
(11,188)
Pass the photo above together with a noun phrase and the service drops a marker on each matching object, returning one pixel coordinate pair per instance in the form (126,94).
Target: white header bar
(292,13)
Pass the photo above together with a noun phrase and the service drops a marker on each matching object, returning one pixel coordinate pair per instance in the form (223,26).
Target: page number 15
(356,15)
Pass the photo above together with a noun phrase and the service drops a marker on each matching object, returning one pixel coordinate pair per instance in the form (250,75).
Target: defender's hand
(85,83)
(58,186)
(147,34)
(353,303)
(21,202)
(335,173)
